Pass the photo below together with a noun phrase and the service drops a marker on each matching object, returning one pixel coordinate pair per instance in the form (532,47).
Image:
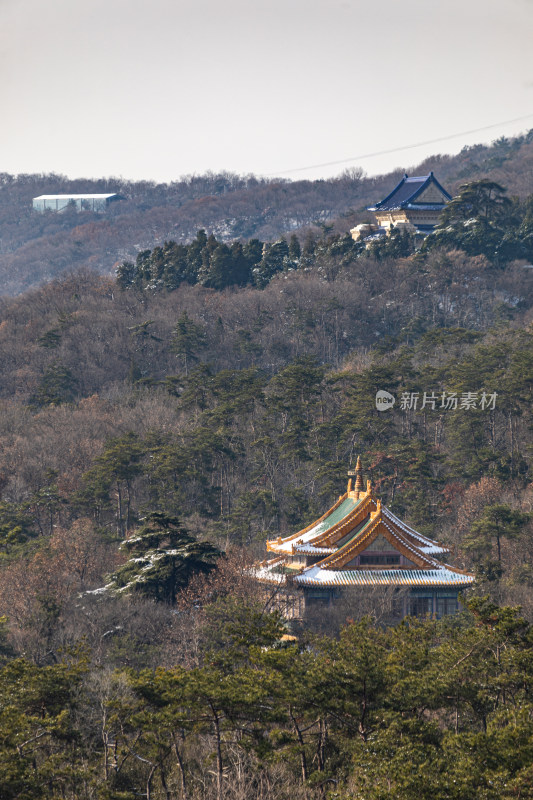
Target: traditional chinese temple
(418,201)
(415,204)
(360,543)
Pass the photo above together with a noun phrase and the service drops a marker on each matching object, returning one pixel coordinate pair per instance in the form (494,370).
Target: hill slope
(35,248)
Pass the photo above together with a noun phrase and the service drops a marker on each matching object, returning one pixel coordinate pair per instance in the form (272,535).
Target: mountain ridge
(36,248)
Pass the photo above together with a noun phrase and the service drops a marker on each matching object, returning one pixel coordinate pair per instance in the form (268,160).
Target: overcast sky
(156,89)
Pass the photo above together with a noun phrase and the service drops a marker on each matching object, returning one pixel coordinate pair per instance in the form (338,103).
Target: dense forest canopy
(480,221)
(37,247)
(159,425)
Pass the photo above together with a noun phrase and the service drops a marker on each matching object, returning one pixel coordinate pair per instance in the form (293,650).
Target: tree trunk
(180,767)
(128,506)
(149,782)
(120,526)
(220,766)
(303,760)
(164,782)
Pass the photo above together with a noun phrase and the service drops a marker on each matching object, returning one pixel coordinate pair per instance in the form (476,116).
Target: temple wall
(386,219)
(379,545)
(424,217)
(431,195)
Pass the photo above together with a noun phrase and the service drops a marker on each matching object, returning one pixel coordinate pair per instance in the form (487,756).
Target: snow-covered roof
(311,550)
(445,576)
(428,546)
(336,514)
(269,572)
(408,191)
(75,196)
(348,530)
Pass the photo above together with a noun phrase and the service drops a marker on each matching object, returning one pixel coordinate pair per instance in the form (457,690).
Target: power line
(399,149)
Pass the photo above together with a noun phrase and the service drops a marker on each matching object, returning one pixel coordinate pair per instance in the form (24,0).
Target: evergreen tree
(481,220)
(115,469)
(195,254)
(275,259)
(15,525)
(496,523)
(309,247)
(481,200)
(187,339)
(295,250)
(157,266)
(218,274)
(163,558)
(58,385)
(241,269)
(176,266)
(51,339)
(143,270)
(253,252)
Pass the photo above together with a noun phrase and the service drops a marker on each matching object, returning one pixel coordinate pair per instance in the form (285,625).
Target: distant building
(360,544)
(78,202)
(415,204)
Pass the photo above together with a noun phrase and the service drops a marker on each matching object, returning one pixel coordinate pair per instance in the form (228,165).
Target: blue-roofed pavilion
(415,203)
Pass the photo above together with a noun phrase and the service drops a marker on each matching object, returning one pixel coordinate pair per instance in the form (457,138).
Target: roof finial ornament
(375,514)
(358,475)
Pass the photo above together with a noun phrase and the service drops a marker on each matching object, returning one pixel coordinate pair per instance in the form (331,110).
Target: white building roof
(315,576)
(74,196)
(269,572)
(310,550)
(428,545)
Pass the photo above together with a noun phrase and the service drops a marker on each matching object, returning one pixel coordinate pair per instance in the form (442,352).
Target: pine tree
(295,250)
(218,274)
(163,558)
(58,385)
(176,266)
(253,252)
(275,258)
(195,256)
(496,523)
(187,339)
(241,269)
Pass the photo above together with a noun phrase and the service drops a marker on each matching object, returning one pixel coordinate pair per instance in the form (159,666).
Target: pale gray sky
(156,89)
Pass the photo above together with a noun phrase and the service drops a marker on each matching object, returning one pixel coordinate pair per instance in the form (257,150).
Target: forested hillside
(35,248)
(239,410)
(159,425)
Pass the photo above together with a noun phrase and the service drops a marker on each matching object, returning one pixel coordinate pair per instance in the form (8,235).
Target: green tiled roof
(336,516)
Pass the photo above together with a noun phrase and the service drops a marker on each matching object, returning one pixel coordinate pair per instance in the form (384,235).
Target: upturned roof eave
(390,195)
(430,179)
(334,562)
(407,538)
(290,543)
(410,531)
(283,545)
(424,182)
(444,576)
(366,536)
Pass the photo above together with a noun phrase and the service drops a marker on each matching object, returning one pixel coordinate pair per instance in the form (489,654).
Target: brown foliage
(35,590)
